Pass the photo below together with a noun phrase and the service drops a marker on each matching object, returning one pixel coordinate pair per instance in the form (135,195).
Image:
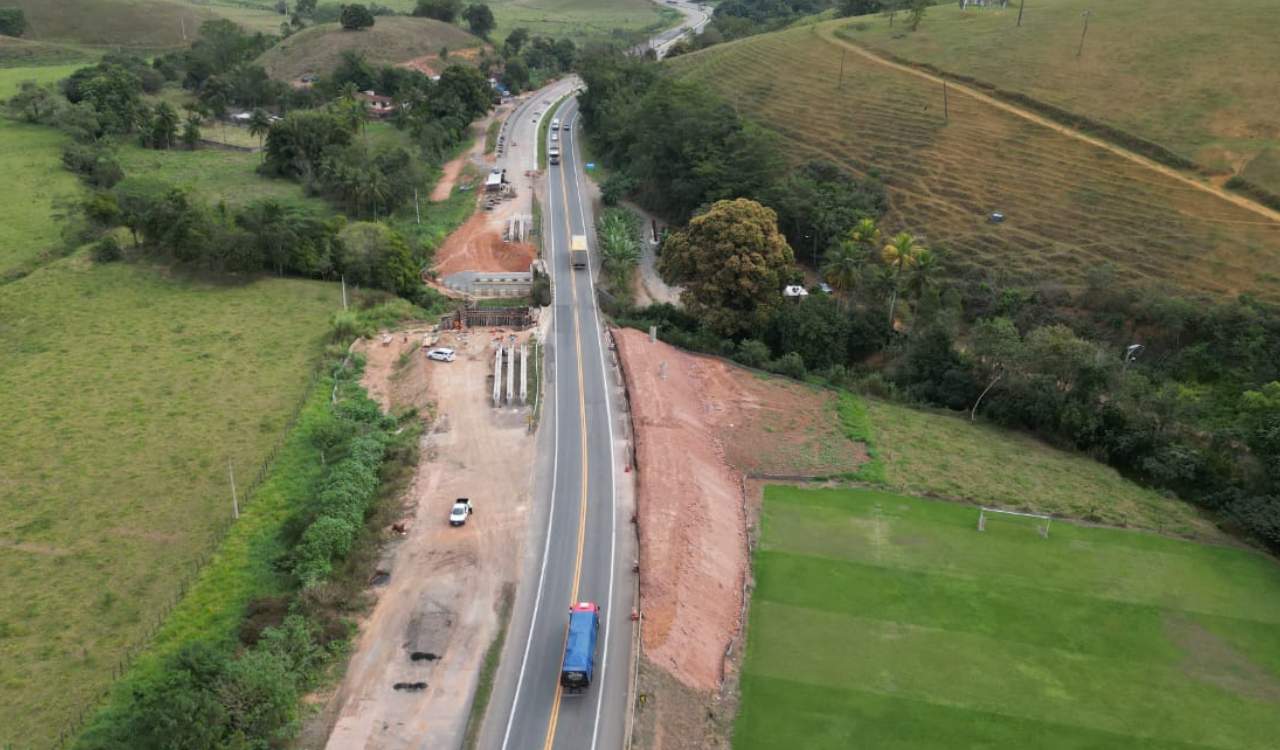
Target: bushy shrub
(106,250)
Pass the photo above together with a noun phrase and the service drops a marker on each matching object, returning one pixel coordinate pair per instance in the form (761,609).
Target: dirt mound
(475,246)
(700,424)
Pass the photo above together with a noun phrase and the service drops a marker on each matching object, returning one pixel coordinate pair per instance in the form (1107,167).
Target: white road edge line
(555,463)
(613,488)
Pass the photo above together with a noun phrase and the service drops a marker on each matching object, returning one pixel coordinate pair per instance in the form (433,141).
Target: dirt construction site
(440,588)
(704,429)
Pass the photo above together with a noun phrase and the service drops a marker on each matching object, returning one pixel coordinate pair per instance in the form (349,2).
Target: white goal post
(1042,528)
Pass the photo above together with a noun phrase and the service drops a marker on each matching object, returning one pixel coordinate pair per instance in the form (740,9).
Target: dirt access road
(827,32)
(446,584)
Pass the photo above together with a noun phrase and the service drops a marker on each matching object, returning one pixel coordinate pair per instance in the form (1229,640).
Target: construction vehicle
(578,666)
(578,251)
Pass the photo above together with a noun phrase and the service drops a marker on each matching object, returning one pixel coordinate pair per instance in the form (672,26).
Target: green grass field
(128,390)
(1070,206)
(885,621)
(213,174)
(30,161)
(1199,78)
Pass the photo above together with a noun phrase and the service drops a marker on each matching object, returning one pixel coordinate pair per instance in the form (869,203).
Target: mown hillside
(133,24)
(391,41)
(1070,206)
(1198,78)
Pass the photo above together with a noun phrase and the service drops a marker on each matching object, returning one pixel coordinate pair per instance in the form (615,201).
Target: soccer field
(883,621)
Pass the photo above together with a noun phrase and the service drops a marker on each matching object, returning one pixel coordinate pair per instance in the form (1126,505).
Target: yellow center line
(582,423)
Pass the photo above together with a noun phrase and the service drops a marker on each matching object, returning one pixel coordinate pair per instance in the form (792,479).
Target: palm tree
(898,255)
(923,273)
(164,126)
(259,125)
(842,267)
(866,234)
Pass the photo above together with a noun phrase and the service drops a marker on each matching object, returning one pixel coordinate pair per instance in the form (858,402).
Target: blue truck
(580,647)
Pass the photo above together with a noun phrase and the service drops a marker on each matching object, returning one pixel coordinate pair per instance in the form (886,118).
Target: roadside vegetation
(895,618)
(877,306)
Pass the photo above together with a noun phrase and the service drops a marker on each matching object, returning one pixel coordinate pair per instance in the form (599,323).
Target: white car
(555,137)
(443,354)
(461,509)
(564,126)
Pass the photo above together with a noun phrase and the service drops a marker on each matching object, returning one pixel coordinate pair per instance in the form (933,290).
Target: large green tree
(440,10)
(356,17)
(732,262)
(479,19)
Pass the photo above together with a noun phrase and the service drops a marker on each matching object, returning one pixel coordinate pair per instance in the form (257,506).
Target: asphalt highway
(580,547)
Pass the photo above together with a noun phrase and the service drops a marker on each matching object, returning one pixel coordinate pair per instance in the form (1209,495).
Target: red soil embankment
(476,246)
(700,424)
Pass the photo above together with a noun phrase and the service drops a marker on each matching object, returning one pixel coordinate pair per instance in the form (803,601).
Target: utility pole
(946,110)
(416,211)
(1020,4)
(843,54)
(235,501)
(1083,31)
(344,293)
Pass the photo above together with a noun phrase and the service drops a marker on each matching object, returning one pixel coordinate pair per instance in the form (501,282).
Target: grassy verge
(543,128)
(34,185)
(491,135)
(895,619)
(535,381)
(855,421)
(489,670)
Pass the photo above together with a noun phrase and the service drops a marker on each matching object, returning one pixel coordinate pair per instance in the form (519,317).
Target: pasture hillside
(887,621)
(391,41)
(25,53)
(128,391)
(131,24)
(1070,205)
(1198,78)
(579,20)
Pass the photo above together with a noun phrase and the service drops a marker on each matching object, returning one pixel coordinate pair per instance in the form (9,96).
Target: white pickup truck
(461,509)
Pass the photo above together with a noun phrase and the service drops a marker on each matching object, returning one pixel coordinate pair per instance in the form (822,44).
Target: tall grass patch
(883,620)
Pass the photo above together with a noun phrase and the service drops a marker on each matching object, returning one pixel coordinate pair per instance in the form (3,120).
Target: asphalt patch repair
(701,425)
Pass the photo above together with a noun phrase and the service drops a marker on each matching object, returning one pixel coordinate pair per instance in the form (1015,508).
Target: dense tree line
(527,61)
(170,224)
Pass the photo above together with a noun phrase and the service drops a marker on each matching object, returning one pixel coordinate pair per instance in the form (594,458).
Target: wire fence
(72,729)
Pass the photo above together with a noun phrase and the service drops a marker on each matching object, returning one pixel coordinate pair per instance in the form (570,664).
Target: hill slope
(1199,78)
(392,40)
(1070,206)
(134,24)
